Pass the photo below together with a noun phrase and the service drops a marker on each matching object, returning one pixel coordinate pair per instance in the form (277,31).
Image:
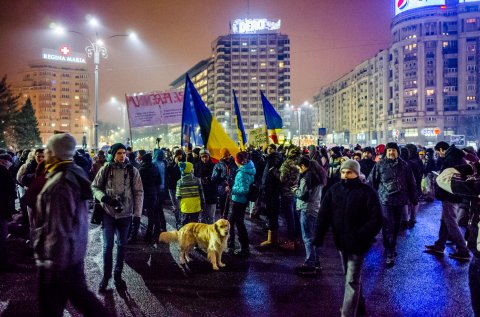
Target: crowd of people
(356,191)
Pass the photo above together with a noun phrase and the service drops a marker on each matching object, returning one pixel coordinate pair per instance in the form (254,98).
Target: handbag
(97,215)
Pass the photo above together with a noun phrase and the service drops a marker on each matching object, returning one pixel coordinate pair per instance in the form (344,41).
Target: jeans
(208,215)
(56,287)
(3,241)
(392,216)
(352,268)
(308,222)
(449,227)
(474,283)
(237,219)
(112,227)
(287,205)
(189,217)
(176,207)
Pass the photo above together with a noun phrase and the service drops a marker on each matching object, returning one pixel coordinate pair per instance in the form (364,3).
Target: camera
(119,208)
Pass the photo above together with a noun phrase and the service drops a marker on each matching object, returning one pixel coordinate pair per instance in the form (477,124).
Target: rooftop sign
(405,5)
(249,26)
(64,54)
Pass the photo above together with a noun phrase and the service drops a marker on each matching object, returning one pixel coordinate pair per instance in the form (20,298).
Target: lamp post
(95,50)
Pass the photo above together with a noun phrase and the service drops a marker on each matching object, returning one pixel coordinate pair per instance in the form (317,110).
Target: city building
(422,89)
(254,57)
(57,85)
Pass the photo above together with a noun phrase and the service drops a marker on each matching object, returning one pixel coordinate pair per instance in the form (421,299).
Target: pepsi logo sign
(401,4)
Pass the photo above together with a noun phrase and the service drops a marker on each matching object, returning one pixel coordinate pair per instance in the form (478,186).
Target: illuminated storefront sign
(405,5)
(64,54)
(242,26)
(431,131)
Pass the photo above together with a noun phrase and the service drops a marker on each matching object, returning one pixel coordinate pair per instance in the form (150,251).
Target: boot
(134,232)
(272,240)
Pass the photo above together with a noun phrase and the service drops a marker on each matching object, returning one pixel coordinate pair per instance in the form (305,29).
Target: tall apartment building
(423,88)
(254,57)
(57,85)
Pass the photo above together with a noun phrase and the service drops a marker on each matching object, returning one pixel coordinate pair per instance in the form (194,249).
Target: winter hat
(196,151)
(147,158)
(351,165)
(369,149)
(185,167)
(204,152)
(392,145)
(62,146)
(380,149)
(117,146)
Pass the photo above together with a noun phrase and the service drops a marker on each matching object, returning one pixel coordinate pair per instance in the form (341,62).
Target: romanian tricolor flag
(272,119)
(242,137)
(197,117)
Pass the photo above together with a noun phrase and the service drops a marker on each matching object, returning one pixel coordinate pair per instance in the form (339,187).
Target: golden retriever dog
(212,239)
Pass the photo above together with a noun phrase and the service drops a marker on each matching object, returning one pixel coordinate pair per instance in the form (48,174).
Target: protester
(172,177)
(203,169)
(224,175)
(151,190)
(7,207)
(243,179)
(189,194)
(61,233)
(394,181)
(353,210)
(118,187)
(308,197)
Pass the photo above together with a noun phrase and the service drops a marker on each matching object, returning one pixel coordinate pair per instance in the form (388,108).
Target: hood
(454,152)
(274,159)
(248,168)
(158,155)
(77,176)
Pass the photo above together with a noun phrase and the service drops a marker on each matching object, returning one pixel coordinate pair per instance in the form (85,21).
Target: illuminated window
(430,92)
(263,64)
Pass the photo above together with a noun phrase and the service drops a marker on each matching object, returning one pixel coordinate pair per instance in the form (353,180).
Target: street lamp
(96,49)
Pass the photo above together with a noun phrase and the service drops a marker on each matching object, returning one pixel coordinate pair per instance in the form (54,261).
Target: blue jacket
(244,178)
(161,165)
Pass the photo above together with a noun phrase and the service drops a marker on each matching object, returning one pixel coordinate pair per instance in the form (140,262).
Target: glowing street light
(95,50)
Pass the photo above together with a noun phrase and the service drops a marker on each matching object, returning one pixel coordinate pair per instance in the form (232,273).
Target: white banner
(154,108)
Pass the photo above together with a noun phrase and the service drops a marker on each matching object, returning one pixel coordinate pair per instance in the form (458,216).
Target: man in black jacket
(203,169)
(464,181)
(353,210)
(394,181)
(450,208)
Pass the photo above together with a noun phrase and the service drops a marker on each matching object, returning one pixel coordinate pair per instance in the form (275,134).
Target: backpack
(253,192)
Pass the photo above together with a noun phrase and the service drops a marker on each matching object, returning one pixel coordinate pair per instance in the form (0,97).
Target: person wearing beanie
(367,162)
(353,210)
(449,229)
(118,187)
(243,179)
(393,178)
(61,233)
(289,176)
(189,194)
(224,175)
(203,170)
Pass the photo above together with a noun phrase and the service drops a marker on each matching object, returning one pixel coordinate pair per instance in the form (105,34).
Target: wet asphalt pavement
(264,284)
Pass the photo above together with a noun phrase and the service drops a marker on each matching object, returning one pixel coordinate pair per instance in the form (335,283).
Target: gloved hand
(136,221)
(111,201)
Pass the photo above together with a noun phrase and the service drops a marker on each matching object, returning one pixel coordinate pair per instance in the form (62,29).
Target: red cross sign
(65,50)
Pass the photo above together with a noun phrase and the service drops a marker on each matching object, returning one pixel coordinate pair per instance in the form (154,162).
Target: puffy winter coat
(190,194)
(244,178)
(394,181)
(353,210)
(289,174)
(309,192)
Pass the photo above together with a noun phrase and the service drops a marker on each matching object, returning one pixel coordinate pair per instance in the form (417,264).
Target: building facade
(254,57)
(422,89)
(58,88)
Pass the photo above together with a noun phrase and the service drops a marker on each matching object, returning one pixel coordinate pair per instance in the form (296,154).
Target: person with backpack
(119,188)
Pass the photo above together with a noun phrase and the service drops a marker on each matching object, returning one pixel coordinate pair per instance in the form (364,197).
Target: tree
(26,130)
(8,110)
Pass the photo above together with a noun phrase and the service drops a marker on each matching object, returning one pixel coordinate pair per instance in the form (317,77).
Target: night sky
(327,38)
